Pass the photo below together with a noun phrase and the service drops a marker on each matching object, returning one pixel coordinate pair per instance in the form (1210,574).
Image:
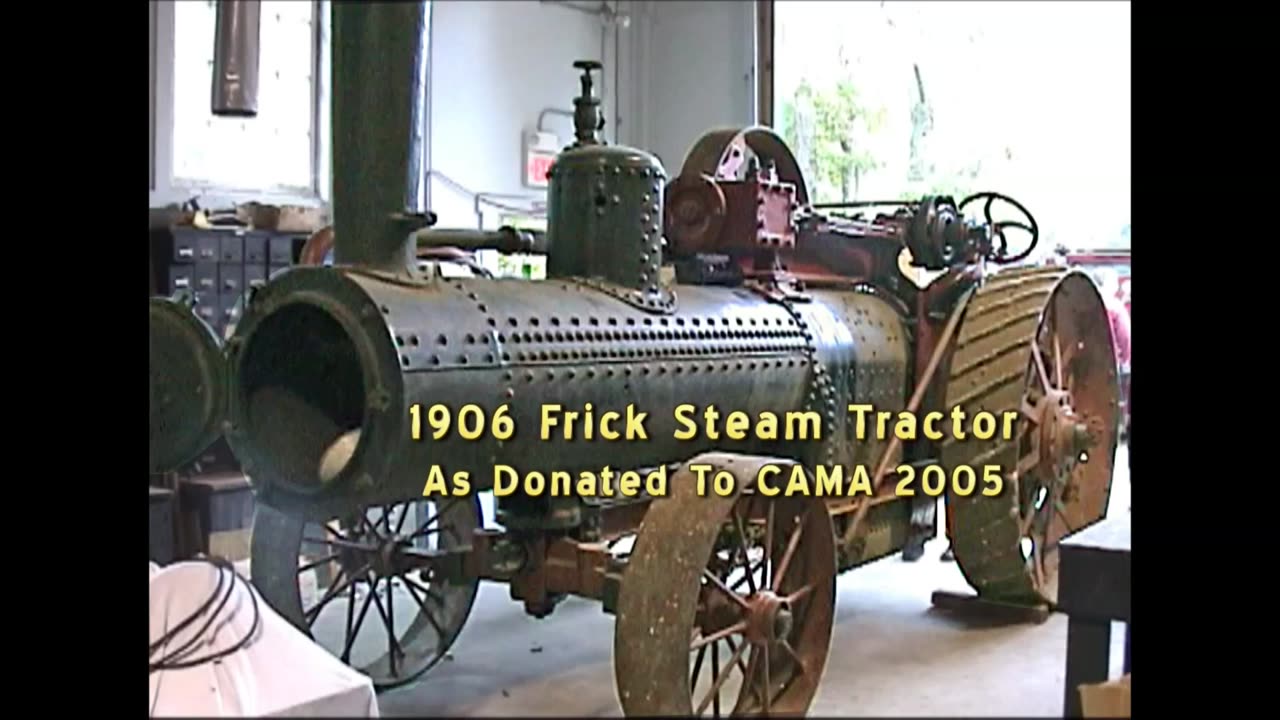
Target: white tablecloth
(281,673)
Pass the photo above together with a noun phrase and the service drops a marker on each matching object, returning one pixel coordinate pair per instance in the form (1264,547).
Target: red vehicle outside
(1116,260)
(1112,270)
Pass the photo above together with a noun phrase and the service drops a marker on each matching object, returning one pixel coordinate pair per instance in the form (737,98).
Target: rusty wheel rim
(1068,430)
(354,587)
(742,626)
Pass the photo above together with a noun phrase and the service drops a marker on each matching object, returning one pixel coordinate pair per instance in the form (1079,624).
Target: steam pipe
(235,58)
(380,54)
(504,239)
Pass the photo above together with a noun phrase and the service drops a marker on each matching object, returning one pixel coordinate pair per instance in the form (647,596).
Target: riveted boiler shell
(327,351)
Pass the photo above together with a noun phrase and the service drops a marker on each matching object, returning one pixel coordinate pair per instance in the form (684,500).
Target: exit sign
(535,170)
(540,150)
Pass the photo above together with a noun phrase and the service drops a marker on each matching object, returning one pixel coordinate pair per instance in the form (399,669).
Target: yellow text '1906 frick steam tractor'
(724,601)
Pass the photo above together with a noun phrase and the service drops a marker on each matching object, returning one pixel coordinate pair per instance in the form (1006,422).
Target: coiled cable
(180,658)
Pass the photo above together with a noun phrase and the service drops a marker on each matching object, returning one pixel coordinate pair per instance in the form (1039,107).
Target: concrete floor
(891,653)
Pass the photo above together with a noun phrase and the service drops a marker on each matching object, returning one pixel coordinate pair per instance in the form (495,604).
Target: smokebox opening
(303,391)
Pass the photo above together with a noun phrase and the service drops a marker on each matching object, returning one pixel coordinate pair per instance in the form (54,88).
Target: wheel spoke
(392,646)
(1024,525)
(338,543)
(1029,411)
(336,531)
(749,673)
(1027,463)
(422,605)
(768,686)
(792,544)
(1057,359)
(733,629)
(317,563)
(404,513)
(1027,521)
(428,591)
(1039,360)
(740,665)
(768,546)
(347,634)
(715,687)
(719,585)
(340,583)
(798,594)
(354,629)
(1035,563)
(794,656)
(742,545)
(444,507)
(697,668)
(715,672)
(750,574)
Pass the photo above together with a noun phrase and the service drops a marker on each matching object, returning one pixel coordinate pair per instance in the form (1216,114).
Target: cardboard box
(217,514)
(1108,699)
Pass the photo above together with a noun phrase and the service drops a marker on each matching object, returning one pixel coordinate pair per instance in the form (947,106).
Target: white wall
(494,66)
(694,70)
(684,68)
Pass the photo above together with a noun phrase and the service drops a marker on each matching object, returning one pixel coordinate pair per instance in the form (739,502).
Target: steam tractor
(723,603)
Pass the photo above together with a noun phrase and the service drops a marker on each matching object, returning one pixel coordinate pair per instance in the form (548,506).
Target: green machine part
(188,384)
(604,208)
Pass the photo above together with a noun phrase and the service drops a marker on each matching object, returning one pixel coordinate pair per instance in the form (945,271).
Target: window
(889,100)
(275,152)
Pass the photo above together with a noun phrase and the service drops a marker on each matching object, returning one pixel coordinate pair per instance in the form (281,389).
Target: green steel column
(379,75)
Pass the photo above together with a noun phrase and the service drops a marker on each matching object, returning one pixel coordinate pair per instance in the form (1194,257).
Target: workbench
(1093,591)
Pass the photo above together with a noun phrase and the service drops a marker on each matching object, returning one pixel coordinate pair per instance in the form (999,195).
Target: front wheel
(363,587)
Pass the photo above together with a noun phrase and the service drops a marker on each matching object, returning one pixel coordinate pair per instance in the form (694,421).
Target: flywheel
(726,153)
(1035,341)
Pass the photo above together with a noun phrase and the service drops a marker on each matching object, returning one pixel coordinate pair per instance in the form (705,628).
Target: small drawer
(254,275)
(206,277)
(281,250)
(182,278)
(230,279)
(185,245)
(255,248)
(231,249)
(208,247)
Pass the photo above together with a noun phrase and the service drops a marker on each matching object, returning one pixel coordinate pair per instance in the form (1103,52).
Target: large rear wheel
(1036,342)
